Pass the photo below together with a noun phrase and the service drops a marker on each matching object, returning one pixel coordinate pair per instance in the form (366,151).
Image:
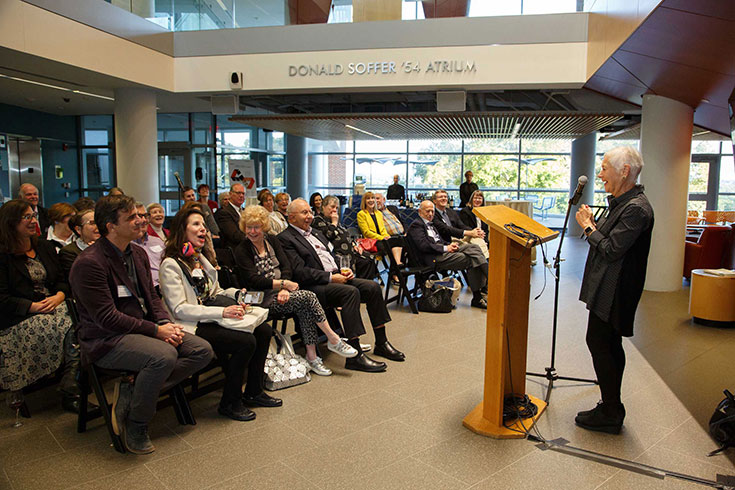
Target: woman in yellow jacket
(370,222)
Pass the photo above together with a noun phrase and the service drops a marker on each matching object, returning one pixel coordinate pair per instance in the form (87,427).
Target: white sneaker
(342,348)
(318,367)
(366,347)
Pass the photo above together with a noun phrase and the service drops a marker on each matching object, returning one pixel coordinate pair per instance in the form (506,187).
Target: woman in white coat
(192,294)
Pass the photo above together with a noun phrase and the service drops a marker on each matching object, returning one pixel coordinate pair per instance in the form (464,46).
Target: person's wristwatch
(588,230)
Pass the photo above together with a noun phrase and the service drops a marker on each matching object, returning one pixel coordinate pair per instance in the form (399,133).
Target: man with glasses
(228,218)
(153,246)
(123,324)
(29,192)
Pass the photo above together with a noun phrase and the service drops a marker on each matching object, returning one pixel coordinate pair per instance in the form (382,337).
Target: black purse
(722,424)
(435,299)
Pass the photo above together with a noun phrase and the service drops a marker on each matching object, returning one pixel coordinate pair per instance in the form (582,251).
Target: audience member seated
(435,245)
(264,266)
(279,220)
(59,232)
(116,191)
(36,335)
(190,196)
(391,220)
(29,192)
(228,218)
(193,295)
(224,199)
(466,189)
(208,242)
(203,191)
(123,324)
(447,221)
(153,246)
(85,234)
(328,223)
(315,202)
(314,268)
(370,222)
(156,217)
(84,203)
(472,221)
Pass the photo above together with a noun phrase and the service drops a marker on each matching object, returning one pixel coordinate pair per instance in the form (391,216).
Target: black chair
(411,267)
(90,378)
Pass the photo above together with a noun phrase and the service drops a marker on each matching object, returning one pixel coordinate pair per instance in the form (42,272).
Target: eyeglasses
(89,222)
(29,217)
(237,192)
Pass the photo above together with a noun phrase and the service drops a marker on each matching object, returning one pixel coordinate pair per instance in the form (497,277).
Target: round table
(712,298)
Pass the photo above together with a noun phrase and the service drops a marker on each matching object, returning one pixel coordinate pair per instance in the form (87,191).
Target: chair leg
(181,406)
(105,408)
(407,294)
(83,400)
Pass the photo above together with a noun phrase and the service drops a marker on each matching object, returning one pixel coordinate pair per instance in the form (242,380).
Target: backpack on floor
(439,296)
(722,423)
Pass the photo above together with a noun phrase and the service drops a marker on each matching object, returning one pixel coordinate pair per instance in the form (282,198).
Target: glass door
(704,175)
(173,162)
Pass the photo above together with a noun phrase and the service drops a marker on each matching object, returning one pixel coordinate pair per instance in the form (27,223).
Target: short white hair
(621,155)
(298,199)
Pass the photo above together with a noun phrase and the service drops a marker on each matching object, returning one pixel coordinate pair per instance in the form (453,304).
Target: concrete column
(297,168)
(583,163)
(318,167)
(136,143)
(666,143)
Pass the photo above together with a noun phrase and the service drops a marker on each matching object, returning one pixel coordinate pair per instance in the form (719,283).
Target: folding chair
(411,267)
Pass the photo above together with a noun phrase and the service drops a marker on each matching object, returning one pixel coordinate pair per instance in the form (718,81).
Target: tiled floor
(403,428)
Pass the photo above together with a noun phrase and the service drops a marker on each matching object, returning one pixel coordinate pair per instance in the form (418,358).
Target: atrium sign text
(382,68)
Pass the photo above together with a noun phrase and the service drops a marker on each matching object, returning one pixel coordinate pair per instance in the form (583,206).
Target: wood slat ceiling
(634,133)
(546,125)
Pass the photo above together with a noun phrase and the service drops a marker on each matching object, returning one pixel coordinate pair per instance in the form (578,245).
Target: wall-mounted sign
(243,172)
(382,68)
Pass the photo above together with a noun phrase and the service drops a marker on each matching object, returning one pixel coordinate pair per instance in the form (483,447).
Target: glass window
(545,172)
(698,177)
(173,127)
(377,171)
(277,171)
(549,6)
(434,172)
(607,145)
(381,146)
(435,146)
(412,10)
(97,172)
(546,146)
(705,146)
(727,147)
(202,123)
(491,145)
(277,141)
(340,12)
(95,137)
(727,174)
(487,8)
(97,130)
(493,171)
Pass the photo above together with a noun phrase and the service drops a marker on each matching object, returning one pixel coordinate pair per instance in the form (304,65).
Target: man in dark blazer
(228,218)
(315,269)
(466,189)
(29,192)
(436,246)
(448,222)
(124,325)
(396,190)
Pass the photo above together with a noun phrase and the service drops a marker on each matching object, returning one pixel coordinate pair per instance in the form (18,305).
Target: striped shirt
(392,225)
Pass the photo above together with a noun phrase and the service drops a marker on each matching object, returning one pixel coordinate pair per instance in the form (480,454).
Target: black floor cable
(519,406)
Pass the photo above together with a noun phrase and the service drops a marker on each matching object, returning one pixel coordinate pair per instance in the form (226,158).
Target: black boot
(135,438)
(603,418)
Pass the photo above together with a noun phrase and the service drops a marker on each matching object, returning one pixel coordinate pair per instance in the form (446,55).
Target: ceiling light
(55,87)
(363,131)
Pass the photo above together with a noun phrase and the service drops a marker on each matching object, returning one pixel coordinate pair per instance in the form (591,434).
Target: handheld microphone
(181,184)
(581,182)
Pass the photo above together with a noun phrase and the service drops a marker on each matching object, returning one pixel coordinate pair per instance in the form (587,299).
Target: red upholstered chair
(708,252)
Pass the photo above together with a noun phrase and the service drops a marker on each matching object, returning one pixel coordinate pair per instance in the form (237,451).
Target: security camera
(67,99)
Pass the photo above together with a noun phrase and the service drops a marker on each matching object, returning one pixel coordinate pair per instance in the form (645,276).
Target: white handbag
(285,368)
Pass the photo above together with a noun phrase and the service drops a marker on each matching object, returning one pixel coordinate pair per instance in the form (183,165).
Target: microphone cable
(530,238)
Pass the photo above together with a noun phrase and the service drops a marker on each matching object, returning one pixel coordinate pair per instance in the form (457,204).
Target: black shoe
(479,303)
(236,411)
(389,352)
(364,363)
(121,398)
(261,400)
(585,413)
(602,419)
(135,438)
(70,403)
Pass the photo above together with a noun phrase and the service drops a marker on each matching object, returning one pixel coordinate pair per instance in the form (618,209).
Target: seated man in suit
(448,222)
(228,218)
(124,325)
(436,245)
(315,269)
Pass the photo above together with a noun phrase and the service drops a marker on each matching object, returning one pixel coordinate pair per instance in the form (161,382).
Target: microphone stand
(550,374)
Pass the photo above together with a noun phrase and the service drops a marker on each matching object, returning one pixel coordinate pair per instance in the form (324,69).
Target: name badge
(123,292)
(197,273)
(330,246)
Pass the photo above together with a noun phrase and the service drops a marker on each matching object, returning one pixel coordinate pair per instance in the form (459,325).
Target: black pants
(606,346)
(237,351)
(349,296)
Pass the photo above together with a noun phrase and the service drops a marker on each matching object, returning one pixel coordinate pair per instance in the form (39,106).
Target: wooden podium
(509,285)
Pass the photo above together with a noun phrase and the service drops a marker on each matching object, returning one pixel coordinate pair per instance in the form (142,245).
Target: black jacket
(456,230)
(468,218)
(248,273)
(229,226)
(67,255)
(307,268)
(428,250)
(16,286)
(465,193)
